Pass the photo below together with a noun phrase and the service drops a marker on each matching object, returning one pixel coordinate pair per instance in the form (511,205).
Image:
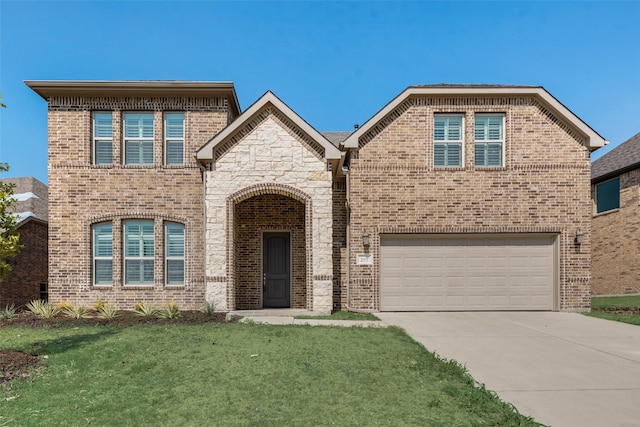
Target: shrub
(42,309)
(209,308)
(64,305)
(107,311)
(169,311)
(78,312)
(8,312)
(99,304)
(143,309)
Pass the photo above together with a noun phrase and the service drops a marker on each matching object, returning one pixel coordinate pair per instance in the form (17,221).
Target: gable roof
(336,138)
(624,157)
(49,88)
(206,151)
(592,139)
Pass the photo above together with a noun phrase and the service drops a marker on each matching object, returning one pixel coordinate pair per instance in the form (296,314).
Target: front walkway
(562,369)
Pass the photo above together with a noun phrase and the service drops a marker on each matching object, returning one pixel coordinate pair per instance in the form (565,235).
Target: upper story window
(174,138)
(138,252)
(608,195)
(138,138)
(102,138)
(489,140)
(448,137)
(174,253)
(102,253)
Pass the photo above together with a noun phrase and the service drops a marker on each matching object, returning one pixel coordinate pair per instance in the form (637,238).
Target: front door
(276,270)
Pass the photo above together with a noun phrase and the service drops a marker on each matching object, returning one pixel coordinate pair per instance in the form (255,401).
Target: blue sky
(334,63)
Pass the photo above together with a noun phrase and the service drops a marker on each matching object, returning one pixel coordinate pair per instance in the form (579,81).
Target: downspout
(345,170)
(203,174)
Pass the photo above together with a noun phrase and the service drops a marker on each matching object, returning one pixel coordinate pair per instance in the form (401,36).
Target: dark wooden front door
(276,270)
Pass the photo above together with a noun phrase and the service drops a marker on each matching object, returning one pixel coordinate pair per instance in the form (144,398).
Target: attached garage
(468,272)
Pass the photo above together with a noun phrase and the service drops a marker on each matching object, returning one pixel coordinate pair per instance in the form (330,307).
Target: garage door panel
(512,272)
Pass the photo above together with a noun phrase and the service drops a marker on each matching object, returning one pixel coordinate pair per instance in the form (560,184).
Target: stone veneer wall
(29,267)
(543,188)
(269,158)
(615,262)
(253,216)
(82,194)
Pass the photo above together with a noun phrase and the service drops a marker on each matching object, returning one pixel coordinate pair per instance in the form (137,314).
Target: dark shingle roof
(336,138)
(624,157)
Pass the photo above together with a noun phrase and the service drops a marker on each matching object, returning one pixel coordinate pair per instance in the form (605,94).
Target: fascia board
(206,151)
(593,139)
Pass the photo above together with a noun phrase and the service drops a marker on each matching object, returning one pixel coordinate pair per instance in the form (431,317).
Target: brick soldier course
(267,170)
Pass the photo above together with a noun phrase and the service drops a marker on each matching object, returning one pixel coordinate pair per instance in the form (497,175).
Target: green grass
(342,315)
(241,374)
(624,301)
(633,319)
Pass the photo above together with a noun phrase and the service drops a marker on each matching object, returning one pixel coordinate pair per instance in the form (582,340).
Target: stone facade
(543,188)
(616,242)
(269,160)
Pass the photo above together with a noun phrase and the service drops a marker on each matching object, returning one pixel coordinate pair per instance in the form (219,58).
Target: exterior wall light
(365,240)
(579,236)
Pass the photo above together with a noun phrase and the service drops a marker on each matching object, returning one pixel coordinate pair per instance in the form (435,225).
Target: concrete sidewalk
(562,369)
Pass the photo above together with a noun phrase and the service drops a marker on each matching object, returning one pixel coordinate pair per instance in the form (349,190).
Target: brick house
(615,186)
(28,279)
(452,197)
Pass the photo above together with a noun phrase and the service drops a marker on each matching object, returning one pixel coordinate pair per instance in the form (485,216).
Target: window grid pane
(489,140)
(102,254)
(138,133)
(174,138)
(139,252)
(102,138)
(174,253)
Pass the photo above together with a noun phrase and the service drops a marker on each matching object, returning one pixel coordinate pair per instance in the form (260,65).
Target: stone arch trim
(260,190)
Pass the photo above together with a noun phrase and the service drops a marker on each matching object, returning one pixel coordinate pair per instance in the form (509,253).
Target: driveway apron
(562,369)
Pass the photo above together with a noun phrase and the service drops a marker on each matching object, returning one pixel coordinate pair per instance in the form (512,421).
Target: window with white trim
(138,138)
(174,138)
(102,138)
(138,252)
(489,140)
(608,195)
(174,253)
(448,138)
(102,237)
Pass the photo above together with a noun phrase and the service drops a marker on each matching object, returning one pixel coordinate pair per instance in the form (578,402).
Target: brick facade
(29,268)
(543,188)
(616,242)
(268,170)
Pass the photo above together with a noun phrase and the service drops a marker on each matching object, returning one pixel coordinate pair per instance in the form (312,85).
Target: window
(138,252)
(174,138)
(102,138)
(138,138)
(102,254)
(447,136)
(489,140)
(44,292)
(608,195)
(174,254)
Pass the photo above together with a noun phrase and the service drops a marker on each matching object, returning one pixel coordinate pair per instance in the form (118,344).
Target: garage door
(429,273)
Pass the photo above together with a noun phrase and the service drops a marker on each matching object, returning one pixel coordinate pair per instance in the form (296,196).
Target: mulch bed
(16,364)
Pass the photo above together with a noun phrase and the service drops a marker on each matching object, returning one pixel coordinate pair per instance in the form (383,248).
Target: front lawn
(342,315)
(240,374)
(624,308)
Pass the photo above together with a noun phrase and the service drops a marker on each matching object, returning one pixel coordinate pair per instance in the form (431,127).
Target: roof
(32,198)
(592,139)
(206,151)
(49,88)
(624,157)
(336,138)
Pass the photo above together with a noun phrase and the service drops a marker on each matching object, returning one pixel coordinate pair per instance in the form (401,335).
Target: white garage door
(433,273)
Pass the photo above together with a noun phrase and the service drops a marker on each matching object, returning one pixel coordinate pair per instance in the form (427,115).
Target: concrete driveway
(562,369)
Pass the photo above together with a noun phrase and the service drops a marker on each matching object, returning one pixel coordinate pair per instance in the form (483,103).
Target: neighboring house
(28,279)
(615,182)
(452,197)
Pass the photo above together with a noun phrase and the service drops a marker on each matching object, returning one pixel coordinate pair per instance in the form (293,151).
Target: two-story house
(452,197)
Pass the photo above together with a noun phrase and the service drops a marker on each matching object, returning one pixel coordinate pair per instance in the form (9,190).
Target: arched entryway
(270,255)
